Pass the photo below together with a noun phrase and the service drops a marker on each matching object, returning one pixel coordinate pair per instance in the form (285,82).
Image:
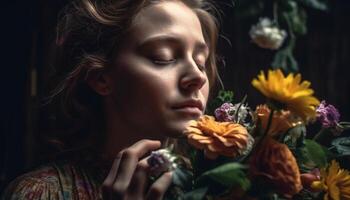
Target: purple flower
(328,115)
(237,113)
(161,161)
(225,112)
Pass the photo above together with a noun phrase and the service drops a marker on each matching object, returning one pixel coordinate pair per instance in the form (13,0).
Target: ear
(100,82)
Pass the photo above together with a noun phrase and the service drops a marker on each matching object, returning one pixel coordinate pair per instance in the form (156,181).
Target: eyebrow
(200,46)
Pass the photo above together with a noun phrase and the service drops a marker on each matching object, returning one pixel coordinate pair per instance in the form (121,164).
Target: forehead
(166,18)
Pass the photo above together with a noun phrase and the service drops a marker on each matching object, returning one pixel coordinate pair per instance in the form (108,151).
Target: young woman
(135,72)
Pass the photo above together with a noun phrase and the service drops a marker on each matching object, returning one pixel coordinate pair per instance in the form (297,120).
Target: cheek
(205,91)
(138,81)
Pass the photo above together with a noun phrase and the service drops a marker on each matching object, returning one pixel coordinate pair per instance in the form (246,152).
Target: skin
(161,65)
(168,33)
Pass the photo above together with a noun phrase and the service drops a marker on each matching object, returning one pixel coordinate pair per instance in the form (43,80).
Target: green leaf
(316,153)
(295,137)
(295,17)
(346,125)
(299,22)
(182,177)
(325,136)
(304,163)
(197,194)
(316,4)
(285,60)
(342,126)
(228,175)
(248,8)
(342,145)
(276,197)
(224,96)
(307,195)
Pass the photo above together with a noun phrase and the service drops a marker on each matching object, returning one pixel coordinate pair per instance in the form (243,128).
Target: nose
(193,77)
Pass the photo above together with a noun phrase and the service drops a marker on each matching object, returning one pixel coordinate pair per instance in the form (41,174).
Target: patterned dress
(59,180)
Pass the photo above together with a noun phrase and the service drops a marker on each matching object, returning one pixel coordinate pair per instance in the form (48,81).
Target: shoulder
(37,184)
(58,180)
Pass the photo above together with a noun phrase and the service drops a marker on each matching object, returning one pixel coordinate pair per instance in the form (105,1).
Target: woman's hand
(128,177)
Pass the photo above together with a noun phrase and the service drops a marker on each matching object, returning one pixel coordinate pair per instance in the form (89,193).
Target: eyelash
(163,62)
(167,62)
(202,67)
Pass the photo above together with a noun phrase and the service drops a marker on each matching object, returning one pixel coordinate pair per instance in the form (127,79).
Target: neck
(120,134)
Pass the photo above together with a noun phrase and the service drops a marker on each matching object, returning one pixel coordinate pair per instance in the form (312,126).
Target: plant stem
(318,135)
(275,12)
(239,107)
(262,137)
(269,123)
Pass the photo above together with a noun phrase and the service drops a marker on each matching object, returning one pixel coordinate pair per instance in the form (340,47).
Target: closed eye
(201,61)
(201,67)
(163,62)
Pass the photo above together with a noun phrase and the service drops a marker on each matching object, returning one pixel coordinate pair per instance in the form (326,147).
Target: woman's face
(159,76)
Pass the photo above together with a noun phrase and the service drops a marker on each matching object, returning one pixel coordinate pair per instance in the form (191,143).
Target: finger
(131,156)
(129,161)
(139,181)
(108,182)
(144,146)
(140,178)
(144,164)
(159,187)
(113,171)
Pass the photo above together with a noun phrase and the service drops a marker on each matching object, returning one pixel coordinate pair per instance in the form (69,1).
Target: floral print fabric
(58,180)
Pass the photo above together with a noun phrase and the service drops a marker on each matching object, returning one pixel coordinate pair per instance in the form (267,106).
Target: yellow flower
(274,162)
(289,91)
(218,138)
(282,120)
(335,182)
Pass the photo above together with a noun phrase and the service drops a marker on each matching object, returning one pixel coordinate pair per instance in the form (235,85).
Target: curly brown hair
(88,36)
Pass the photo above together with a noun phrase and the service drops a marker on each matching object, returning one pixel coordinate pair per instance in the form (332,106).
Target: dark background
(28,33)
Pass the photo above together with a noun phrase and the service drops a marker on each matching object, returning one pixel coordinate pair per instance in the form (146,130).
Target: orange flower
(218,138)
(274,162)
(281,121)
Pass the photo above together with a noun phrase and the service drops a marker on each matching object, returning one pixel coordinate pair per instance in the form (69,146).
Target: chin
(174,134)
(176,130)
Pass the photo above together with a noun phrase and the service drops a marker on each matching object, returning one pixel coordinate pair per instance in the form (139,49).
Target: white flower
(237,113)
(243,112)
(267,35)
(161,161)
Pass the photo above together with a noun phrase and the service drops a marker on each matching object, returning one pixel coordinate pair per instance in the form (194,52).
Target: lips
(191,107)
